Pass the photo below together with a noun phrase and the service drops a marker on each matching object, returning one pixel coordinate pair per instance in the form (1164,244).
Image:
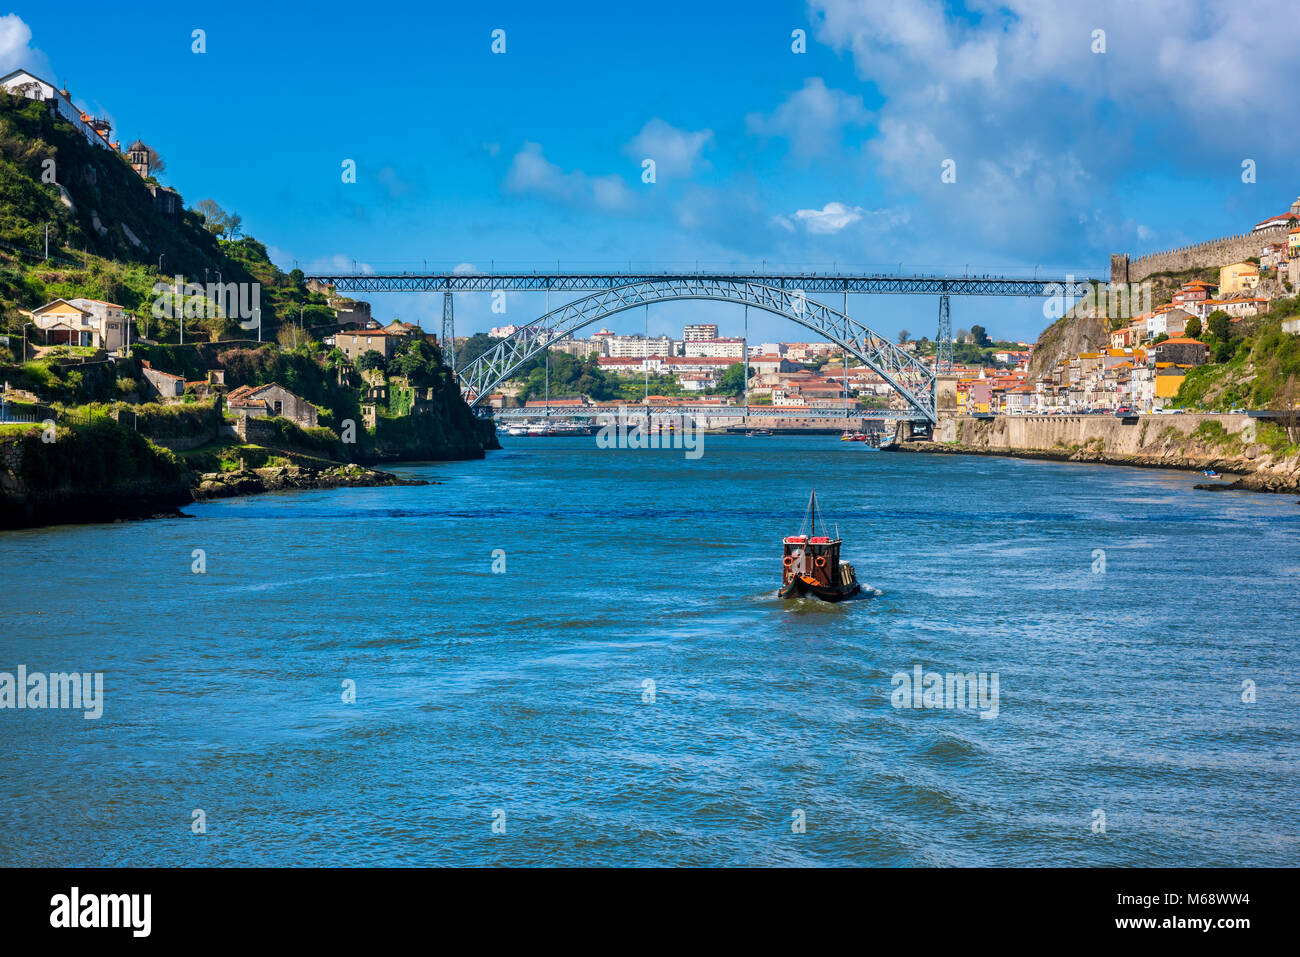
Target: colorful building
(1238,278)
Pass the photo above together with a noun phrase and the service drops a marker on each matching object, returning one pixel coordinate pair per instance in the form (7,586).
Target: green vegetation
(100,455)
(133,246)
(1275,438)
(569,375)
(473,347)
(113,236)
(1254,364)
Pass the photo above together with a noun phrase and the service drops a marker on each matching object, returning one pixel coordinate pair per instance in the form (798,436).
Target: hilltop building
(95,129)
(1289,218)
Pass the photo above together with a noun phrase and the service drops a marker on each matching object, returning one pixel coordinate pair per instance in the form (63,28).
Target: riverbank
(104,473)
(1256,454)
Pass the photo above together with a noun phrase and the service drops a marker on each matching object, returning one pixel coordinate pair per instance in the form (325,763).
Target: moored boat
(811,564)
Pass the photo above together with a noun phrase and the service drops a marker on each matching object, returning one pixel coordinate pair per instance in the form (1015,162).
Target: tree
(980,337)
(903,336)
(417,361)
(371,359)
(569,376)
(961,335)
(472,348)
(1193,329)
(217,221)
(732,380)
(156,163)
(1219,324)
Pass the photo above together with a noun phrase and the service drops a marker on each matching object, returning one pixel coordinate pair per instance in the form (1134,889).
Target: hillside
(106,239)
(1253,364)
(1073,333)
(117,451)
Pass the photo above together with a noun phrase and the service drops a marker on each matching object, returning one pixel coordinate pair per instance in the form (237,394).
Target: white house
(82,322)
(34,88)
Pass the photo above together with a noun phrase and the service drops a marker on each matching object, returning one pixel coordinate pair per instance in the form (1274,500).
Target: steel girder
(448,340)
(701,411)
(1069,286)
(907,376)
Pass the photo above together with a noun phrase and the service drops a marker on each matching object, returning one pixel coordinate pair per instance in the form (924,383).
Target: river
(624,689)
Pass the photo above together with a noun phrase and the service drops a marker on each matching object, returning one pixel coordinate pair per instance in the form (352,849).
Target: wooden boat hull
(801,586)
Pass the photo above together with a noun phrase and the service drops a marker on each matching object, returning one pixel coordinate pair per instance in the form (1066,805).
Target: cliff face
(1258,451)
(96,473)
(1067,337)
(1073,333)
(443,428)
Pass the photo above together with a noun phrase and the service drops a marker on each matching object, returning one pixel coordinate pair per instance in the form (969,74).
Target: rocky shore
(214,485)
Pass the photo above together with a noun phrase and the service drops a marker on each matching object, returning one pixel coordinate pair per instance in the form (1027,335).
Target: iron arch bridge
(908,377)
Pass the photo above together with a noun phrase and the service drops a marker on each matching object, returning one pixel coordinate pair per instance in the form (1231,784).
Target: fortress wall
(1214,253)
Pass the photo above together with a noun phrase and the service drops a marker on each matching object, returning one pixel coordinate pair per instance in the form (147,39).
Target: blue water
(522,694)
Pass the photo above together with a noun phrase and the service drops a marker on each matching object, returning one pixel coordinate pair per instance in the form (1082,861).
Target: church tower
(138,157)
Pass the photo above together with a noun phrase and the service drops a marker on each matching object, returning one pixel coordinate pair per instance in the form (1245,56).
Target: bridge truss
(1069,286)
(905,374)
(782,293)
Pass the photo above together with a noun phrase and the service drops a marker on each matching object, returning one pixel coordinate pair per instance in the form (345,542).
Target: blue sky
(829,157)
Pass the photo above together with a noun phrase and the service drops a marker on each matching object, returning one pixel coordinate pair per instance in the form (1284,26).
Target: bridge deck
(808,282)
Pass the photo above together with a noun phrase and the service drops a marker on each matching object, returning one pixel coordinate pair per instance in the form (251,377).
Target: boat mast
(812,510)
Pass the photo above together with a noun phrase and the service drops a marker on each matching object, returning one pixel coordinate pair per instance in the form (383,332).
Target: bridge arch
(903,372)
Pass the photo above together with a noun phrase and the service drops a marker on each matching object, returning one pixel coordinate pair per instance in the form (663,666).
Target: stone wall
(1123,436)
(1211,254)
(1153,441)
(177,427)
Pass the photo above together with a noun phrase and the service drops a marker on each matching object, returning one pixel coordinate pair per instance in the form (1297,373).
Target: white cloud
(1045,131)
(812,119)
(531,172)
(835,217)
(16,51)
(675,152)
(831,218)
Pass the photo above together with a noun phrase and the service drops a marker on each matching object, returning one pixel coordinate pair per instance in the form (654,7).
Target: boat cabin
(817,557)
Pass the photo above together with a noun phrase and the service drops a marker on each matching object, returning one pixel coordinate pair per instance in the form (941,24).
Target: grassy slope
(105,263)
(1264,359)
